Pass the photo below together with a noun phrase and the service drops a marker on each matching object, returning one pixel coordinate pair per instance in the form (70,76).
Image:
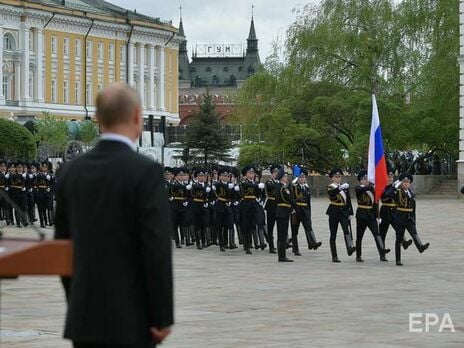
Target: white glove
(23,189)
(237,188)
(261,185)
(397,183)
(228,204)
(236,203)
(205,205)
(30,190)
(24,175)
(208,189)
(214,187)
(171,199)
(7,175)
(230,186)
(48,177)
(188,187)
(379,221)
(48,189)
(185,204)
(7,188)
(31,176)
(350,217)
(345,186)
(213,202)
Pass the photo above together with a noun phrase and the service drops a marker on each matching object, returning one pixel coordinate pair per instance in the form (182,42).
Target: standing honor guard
(200,207)
(386,211)
(235,200)
(270,206)
(404,216)
(31,187)
(340,211)
(366,216)
(43,189)
(4,188)
(178,193)
(250,191)
(224,215)
(284,206)
(301,195)
(258,232)
(19,195)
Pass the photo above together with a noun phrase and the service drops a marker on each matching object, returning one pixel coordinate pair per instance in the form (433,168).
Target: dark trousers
(179,221)
(248,222)
(361,225)
(333,226)
(101,345)
(282,229)
(270,222)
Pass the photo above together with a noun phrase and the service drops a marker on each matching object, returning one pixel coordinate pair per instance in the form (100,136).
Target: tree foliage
(315,107)
(16,142)
(205,137)
(88,132)
(52,135)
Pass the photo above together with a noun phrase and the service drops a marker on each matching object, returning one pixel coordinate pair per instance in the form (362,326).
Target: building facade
(219,69)
(56,55)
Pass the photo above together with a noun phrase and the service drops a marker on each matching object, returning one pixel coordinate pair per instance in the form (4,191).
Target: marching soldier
(18,194)
(258,233)
(8,207)
(178,196)
(30,188)
(270,206)
(224,214)
(168,175)
(250,191)
(43,182)
(4,189)
(340,211)
(366,216)
(235,200)
(51,195)
(301,195)
(284,206)
(200,212)
(212,198)
(404,216)
(386,212)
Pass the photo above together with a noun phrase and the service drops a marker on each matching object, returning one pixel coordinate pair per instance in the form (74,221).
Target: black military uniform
(404,216)
(284,206)
(18,194)
(235,200)
(250,191)
(340,212)
(366,216)
(43,182)
(386,212)
(200,208)
(178,194)
(31,186)
(301,195)
(270,207)
(258,233)
(4,189)
(224,215)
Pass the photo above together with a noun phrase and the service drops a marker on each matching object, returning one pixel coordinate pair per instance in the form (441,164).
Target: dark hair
(115,104)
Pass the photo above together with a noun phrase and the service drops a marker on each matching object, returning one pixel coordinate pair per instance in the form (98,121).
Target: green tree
(52,135)
(205,136)
(88,132)
(16,142)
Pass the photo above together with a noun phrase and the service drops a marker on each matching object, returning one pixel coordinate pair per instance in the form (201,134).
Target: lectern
(33,257)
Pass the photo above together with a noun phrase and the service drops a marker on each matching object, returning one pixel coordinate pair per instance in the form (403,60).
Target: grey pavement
(235,300)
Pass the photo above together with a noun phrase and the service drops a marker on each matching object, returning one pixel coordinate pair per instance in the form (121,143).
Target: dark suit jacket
(113,204)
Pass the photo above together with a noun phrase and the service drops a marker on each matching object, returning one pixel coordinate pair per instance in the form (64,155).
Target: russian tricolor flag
(376,166)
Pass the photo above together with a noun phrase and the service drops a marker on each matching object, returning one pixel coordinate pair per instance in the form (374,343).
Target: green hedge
(16,142)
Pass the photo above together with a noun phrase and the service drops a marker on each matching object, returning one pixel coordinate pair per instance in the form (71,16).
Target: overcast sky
(223,21)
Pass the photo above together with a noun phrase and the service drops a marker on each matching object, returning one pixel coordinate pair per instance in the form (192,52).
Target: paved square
(235,300)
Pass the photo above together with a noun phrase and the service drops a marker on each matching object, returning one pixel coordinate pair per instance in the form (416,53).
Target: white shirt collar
(120,138)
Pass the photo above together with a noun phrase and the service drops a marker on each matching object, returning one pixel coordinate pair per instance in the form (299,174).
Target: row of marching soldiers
(23,186)
(210,208)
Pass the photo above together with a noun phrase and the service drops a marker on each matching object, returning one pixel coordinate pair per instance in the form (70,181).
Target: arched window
(8,42)
(208,69)
(226,68)
(215,80)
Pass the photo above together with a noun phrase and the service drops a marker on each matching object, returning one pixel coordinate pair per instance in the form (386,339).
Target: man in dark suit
(113,204)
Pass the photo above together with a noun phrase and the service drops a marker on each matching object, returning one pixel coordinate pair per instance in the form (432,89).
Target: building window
(31,84)
(53,44)
(8,43)
(31,41)
(226,68)
(66,47)
(100,87)
(77,93)
(5,87)
(65,92)
(111,52)
(53,91)
(100,51)
(89,49)
(88,92)
(208,69)
(77,48)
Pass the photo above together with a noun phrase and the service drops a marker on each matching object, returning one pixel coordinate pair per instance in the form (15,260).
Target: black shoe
(272,251)
(336,260)
(386,251)
(256,247)
(263,246)
(285,259)
(222,249)
(42,226)
(199,247)
(297,253)
(358,259)
(18,226)
(316,245)
(398,263)
(178,246)
(382,258)
(424,247)
(351,251)
(406,244)
(248,252)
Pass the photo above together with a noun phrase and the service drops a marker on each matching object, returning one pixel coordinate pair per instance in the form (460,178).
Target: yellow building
(57,54)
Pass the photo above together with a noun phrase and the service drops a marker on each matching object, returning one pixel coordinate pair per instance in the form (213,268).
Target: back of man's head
(116,105)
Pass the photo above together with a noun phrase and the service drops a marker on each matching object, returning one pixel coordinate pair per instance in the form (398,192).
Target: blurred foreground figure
(120,294)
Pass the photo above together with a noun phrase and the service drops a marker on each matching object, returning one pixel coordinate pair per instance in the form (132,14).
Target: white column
(2,97)
(25,62)
(460,163)
(161,80)
(130,64)
(141,86)
(17,80)
(38,78)
(151,80)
